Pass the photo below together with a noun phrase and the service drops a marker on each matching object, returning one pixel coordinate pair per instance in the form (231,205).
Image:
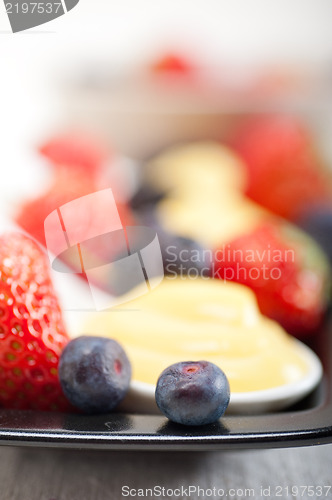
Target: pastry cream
(197,168)
(202,319)
(205,183)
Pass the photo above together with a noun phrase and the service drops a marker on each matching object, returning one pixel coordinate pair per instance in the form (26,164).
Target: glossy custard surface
(202,319)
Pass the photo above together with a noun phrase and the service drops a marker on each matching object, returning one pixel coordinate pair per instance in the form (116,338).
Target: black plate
(307,423)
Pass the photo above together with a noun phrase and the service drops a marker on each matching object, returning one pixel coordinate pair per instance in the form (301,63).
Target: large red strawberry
(285,173)
(287,271)
(32,332)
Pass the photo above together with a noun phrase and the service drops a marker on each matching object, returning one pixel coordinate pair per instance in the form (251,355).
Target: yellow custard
(202,319)
(197,168)
(205,183)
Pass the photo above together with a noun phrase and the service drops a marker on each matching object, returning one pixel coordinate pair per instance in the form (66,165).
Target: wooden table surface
(54,474)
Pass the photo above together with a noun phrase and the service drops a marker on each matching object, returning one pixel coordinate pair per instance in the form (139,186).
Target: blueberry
(193,392)
(145,197)
(94,373)
(181,255)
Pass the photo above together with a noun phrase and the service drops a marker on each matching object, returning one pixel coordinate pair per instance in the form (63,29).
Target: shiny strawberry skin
(298,297)
(32,332)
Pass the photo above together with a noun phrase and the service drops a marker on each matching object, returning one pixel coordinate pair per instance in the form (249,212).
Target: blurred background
(95,58)
(137,77)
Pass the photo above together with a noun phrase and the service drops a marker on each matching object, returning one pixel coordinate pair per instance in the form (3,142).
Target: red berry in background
(285,173)
(32,332)
(66,187)
(77,152)
(172,64)
(79,173)
(287,271)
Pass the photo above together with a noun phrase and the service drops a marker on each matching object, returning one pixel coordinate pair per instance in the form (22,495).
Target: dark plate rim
(116,431)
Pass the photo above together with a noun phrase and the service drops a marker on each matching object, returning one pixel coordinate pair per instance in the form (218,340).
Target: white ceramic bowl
(140,397)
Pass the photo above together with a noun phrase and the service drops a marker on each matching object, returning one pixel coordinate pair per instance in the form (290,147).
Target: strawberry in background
(204,201)
(80,167)
(172,63)
(177,72)
(285,173)
(32,332)
(287,272)
(67,185)
(76,152)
